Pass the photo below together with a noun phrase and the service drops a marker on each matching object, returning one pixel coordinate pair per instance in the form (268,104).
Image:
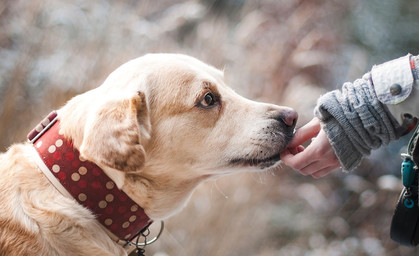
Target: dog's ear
(115,134)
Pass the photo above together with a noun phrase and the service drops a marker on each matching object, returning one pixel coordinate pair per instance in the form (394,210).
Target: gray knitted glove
(355,121)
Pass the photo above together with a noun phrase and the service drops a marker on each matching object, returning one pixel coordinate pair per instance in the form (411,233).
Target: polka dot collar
(86,182)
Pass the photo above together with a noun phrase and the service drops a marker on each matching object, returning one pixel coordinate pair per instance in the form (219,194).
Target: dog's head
(169,115)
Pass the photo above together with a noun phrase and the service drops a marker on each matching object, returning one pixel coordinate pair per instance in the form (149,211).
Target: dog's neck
(162,197)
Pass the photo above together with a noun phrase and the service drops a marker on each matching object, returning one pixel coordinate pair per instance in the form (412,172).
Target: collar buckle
(42,127)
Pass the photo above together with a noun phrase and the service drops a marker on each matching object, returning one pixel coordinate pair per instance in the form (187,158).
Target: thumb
(306,132)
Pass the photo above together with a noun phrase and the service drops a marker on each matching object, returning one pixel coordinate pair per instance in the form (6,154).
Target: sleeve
(401,91)
(357,119)
(361,116)
(355,122)
(393,80)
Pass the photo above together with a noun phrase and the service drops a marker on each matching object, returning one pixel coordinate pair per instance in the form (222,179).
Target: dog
(157,127)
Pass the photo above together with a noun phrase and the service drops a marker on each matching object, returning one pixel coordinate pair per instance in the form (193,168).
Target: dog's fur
(151,129)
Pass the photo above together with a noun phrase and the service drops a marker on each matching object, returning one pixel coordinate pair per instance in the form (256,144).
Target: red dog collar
(86,182)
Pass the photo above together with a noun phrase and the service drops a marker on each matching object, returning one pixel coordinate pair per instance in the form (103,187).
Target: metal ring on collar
(152,240)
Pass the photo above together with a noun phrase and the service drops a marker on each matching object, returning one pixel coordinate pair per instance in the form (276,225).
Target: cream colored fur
(149,128)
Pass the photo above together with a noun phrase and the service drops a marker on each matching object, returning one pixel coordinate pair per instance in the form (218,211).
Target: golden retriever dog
(157,127)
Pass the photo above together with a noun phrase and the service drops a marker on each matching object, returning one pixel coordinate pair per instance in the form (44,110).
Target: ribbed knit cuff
(355,122)
(347,154)
(332,117)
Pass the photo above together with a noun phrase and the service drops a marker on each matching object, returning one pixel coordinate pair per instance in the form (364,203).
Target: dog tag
(407,171)
(140,252)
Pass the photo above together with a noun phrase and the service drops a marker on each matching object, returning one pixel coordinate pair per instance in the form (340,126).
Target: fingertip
(303,173)
(300,149)
(293,150)
(305,133)
(316,176)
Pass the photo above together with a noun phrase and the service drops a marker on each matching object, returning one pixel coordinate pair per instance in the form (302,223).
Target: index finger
(306,132)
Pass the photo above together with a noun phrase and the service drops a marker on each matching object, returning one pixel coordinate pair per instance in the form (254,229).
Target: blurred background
(286,52)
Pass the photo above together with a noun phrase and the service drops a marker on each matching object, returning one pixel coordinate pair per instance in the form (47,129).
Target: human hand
(317,159)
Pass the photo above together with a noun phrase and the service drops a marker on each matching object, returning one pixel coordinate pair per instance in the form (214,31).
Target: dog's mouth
(256,162)
(261,162)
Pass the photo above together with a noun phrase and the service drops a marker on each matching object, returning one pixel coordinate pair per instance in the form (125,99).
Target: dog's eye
(208,100)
